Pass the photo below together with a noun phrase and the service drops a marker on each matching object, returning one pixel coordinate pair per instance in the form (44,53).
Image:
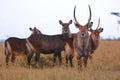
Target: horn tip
(89,5)
(99,18)
(75,6)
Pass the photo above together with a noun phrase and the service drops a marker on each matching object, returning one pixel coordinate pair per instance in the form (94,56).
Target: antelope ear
(91,30)
(101,29)
(70,22)
(35,28)
(60,22)
(30,29)
(90,25)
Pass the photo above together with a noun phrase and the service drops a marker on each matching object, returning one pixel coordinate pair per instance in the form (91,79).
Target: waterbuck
(16,46)
(68,37)
(81,42)
(95,37)
(45,44)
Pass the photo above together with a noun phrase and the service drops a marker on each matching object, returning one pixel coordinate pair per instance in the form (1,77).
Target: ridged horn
(98,23)
(90,15)
(75,16)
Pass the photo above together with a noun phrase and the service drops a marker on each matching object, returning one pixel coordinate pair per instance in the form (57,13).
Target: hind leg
(13,58)
(66,58)
(7,58)
(71,58)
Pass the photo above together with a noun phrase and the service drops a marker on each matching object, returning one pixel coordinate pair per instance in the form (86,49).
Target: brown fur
(16,46)
(82,41)
(68,37)
(95,37)
(46,44)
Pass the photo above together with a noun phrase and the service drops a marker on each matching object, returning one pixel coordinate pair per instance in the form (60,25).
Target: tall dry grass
(105,66)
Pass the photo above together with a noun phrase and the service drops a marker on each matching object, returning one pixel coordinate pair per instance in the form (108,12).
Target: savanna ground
(105,66)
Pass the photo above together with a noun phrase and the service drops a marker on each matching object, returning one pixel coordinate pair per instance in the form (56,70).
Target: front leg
(54,58)
(29,56)
(85,60)
(79,63)
(59,56)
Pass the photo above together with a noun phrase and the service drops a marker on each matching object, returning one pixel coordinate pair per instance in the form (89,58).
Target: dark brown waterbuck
(81,42)
(68,37)
(45,44)
(95,37)
(16,46)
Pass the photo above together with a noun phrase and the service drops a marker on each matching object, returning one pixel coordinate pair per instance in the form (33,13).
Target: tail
(7,48)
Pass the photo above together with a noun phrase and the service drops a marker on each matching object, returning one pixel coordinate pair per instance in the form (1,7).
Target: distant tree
(116,14)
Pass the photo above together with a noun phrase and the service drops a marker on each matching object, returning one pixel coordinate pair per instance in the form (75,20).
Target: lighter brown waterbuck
(16,46)
(95,37)
(81,42)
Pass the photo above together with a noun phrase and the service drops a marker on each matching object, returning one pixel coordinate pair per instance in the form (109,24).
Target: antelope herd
(81,44)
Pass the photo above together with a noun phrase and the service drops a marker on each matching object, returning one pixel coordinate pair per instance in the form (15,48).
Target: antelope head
(65,27)
(35,30)
(83,28)
(95,34)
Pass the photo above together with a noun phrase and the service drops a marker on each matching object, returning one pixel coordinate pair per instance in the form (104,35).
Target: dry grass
(105,66)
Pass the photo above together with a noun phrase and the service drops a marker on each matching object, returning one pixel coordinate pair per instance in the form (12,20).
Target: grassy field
(105,66)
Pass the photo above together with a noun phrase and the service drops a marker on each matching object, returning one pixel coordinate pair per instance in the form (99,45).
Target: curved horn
(98,23)
(75,16)
(90,15)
